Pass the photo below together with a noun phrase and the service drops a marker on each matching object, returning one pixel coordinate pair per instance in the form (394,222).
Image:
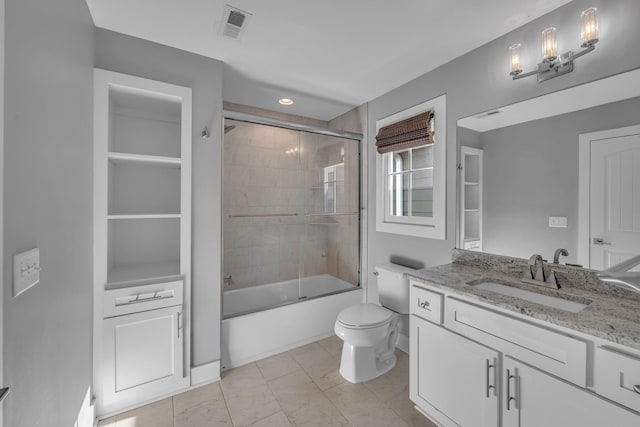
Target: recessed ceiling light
(285,101)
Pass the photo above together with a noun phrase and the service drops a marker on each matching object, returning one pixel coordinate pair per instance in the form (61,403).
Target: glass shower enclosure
(291,225)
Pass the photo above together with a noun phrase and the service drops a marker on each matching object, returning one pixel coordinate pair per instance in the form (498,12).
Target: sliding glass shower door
(291,216)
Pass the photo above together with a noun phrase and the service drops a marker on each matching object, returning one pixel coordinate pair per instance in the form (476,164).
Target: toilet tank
(393,287)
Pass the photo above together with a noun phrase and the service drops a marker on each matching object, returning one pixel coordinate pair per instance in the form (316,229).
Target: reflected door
(615,200)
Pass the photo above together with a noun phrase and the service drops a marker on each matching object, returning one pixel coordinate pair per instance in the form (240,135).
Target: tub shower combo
(291,231)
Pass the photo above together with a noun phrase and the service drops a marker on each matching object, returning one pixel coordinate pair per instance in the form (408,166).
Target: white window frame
(427,227)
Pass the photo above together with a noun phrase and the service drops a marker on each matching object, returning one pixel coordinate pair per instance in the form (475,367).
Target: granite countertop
(612,313)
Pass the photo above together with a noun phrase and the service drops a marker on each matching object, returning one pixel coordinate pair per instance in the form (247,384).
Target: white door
(614,234)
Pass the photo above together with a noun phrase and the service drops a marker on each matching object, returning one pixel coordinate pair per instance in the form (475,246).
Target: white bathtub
(249,300)
(267,331)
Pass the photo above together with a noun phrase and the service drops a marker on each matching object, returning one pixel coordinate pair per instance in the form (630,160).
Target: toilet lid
(364,315)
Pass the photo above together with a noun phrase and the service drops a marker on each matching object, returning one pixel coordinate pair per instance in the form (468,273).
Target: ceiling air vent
(234,22)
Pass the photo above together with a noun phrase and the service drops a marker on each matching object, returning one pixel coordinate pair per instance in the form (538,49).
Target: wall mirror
(529,175)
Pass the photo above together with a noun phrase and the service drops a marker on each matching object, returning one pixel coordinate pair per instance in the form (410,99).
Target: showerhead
(229,128)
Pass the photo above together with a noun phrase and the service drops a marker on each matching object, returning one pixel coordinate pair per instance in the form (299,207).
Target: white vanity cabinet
(453,376)
(473,365)
(533,398)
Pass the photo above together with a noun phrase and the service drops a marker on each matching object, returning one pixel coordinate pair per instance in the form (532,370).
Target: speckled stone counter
(612,313)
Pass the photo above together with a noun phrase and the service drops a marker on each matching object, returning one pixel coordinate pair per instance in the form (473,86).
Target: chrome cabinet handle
(636,388)
(489,385)
(508,394)
(179,313)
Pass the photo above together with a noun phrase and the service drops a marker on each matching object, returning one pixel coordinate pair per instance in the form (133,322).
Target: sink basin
(549,301)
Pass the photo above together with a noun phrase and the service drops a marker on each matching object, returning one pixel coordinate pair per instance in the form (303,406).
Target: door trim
(2,19)
(584,185)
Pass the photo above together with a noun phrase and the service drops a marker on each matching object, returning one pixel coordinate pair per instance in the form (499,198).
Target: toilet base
(360,364)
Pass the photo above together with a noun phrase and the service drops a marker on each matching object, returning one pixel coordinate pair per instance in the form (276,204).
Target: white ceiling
(328,55)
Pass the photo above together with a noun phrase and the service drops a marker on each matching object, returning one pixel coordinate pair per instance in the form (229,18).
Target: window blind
(408,133)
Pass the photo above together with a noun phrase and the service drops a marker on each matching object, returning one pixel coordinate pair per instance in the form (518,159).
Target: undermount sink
(547,300)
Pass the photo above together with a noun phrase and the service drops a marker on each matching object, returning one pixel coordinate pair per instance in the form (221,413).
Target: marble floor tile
(278,419)
(405,408)
(318,412)
(208,413)
(301,387)
(197,396)
(333,345)
(157,414)
(277,366)
(295,390)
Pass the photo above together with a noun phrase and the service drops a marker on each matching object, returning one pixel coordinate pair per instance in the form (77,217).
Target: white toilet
(370,331)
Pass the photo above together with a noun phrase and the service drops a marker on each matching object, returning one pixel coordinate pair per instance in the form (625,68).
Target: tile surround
(301,387)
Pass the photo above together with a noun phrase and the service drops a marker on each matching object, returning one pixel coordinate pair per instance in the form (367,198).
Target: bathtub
(268,319)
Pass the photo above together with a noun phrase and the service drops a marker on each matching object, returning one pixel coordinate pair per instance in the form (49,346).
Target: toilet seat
(364,316)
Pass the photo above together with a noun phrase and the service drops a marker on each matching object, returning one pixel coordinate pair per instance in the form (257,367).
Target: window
(411,174)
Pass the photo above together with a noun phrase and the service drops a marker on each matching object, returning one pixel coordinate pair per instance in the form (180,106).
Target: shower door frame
(286,124)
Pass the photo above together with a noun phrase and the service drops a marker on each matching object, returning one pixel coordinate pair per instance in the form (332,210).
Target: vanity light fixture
(553,65)
(285,101)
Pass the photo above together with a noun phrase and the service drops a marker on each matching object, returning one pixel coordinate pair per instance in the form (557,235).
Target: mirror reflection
(519,181)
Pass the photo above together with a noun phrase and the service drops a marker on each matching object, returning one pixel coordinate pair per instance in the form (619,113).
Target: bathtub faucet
(228,280)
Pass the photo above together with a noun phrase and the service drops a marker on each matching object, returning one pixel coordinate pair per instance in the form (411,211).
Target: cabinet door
(143,353)
(452,376)
(534,399)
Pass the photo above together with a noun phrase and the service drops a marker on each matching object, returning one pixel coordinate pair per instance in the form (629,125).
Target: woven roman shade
(408,133)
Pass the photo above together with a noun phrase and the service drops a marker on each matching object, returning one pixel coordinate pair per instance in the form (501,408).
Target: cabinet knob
(423,304)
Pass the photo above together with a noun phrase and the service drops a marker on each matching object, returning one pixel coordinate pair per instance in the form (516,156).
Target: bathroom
(47,153)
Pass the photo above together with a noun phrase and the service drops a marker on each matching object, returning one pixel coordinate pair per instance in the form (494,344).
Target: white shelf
(144,216)
(142,274)
(471,183)
(472,210)
(144,159)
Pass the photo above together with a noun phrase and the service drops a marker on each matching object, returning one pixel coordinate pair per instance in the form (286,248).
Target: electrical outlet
(26,270)
(558,221)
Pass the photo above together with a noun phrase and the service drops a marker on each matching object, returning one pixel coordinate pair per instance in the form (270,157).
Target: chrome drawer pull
(139,300)
(636,388)
(509,397)
(489,385)
(423,304)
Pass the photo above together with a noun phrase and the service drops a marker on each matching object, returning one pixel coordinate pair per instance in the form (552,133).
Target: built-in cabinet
(471,198)
(473,365)
(142,239)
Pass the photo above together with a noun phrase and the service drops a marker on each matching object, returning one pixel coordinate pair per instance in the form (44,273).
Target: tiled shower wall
(274,171)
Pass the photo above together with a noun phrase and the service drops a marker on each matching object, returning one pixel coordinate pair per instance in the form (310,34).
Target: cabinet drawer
(135,299)
(426,304)
(552,351)
(616,375)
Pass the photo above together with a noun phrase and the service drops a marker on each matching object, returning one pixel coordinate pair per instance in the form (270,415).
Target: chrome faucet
(536,276)
(557,253)
(621,275)
(536,262)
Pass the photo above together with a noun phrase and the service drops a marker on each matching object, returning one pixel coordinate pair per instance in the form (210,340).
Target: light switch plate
(26,270)
(558,221)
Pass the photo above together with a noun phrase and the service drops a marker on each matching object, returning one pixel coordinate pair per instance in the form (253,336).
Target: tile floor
(301,387)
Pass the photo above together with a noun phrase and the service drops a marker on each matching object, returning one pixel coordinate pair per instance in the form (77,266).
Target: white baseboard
(207,373)
(403,343)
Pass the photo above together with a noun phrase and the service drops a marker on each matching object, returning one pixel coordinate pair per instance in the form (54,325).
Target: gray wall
(479,81)
(48,201)
(129,55)
(531,172)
